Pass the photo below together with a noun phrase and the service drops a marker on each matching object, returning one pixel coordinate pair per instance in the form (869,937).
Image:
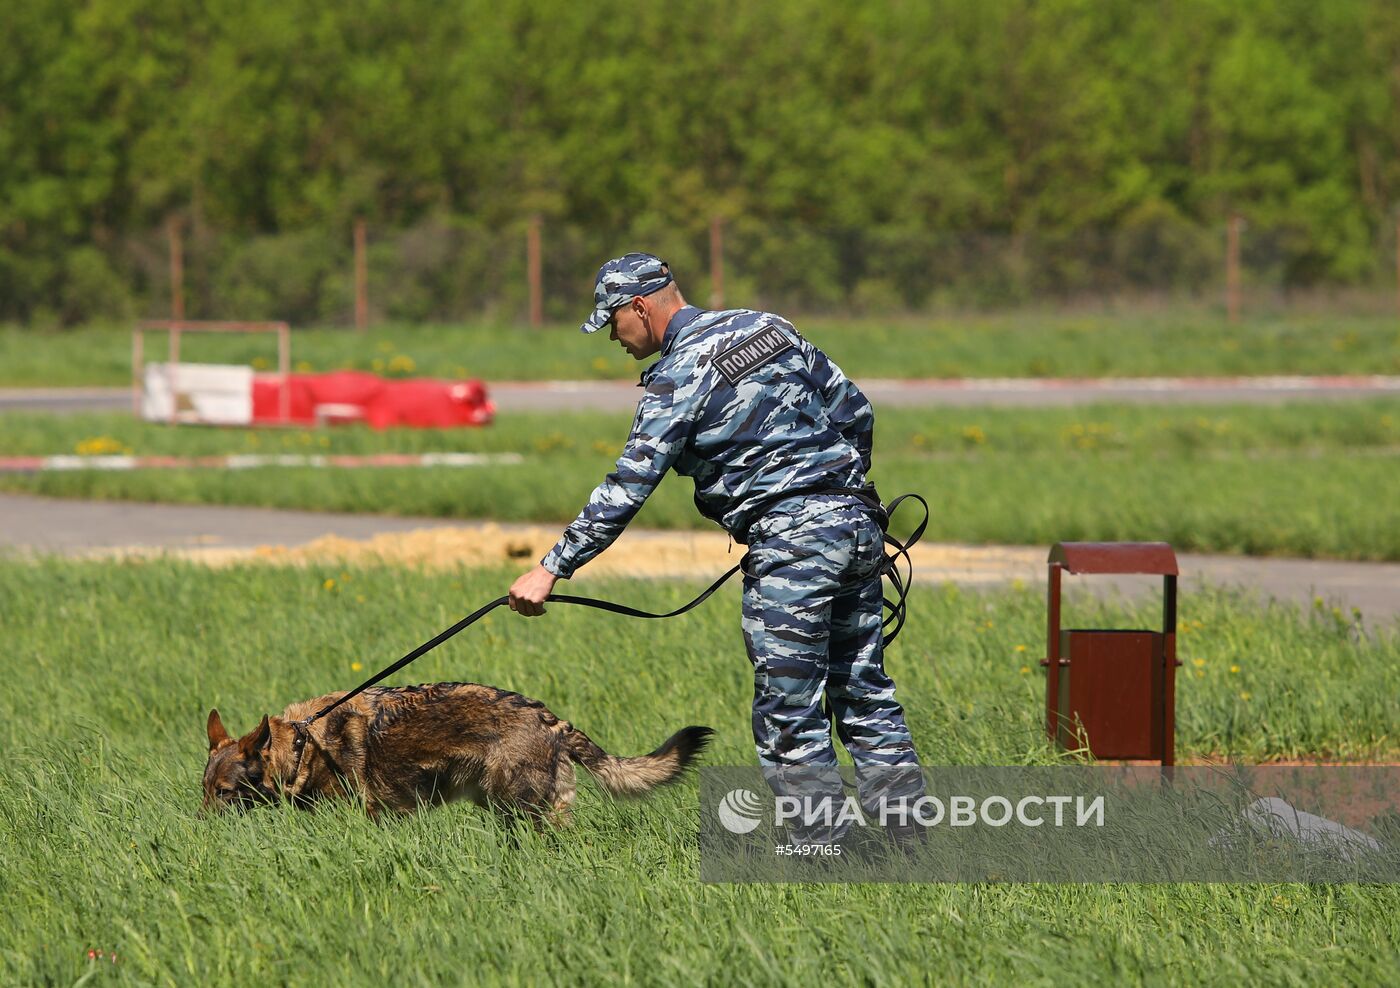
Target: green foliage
(269,275)
(858,150)
(89,288)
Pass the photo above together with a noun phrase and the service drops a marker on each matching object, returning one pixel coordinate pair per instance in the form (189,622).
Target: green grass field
(1301,479)
(111,668)
(1133,342)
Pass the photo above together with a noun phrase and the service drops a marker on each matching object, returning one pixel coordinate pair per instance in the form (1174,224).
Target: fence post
(138,359)
(1232,266)
(177,268)
(361,278)
(284,370)
(535,273)
(716,263)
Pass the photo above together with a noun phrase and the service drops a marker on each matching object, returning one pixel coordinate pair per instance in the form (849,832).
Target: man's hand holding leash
(528,594)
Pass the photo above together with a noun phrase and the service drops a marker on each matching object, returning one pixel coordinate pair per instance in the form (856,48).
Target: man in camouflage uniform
(778,442)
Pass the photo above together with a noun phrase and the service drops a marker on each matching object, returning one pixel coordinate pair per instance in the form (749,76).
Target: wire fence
(445,269)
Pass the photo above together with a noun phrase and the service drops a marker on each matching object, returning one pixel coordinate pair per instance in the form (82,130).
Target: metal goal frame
(175,328)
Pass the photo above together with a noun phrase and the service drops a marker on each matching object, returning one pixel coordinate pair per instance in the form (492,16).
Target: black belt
(866,494)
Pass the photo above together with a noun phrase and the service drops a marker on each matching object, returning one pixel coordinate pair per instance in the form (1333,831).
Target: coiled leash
(889,568)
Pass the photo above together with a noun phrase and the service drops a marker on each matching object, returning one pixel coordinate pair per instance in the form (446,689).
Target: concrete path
(70,527)
(75,527)
(526,396)
(994,392)
(61,400)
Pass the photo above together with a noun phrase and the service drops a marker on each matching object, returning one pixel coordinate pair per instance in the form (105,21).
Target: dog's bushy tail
(633,776)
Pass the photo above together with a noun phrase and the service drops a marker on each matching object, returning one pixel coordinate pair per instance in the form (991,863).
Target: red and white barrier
(218,394)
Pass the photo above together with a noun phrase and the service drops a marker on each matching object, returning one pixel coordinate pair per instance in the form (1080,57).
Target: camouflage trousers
(812,616)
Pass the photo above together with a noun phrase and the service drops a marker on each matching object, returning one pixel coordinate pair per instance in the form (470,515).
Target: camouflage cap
(623,279)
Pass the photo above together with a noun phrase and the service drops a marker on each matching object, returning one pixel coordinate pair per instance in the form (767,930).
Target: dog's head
(234,776)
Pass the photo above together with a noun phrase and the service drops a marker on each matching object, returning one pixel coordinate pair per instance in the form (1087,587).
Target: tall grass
(1304,480)
(111,668)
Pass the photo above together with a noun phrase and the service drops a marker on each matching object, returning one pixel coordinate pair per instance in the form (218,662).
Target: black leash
(898,608)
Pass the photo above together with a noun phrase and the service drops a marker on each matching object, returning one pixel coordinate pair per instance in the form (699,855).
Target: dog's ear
(215,727)
(255,741)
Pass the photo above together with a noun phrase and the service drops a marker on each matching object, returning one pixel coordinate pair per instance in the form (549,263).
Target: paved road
(522,396)
(70,527)
(1006,392)
(64,399)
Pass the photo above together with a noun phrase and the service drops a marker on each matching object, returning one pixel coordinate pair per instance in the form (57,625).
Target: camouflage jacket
(742,404)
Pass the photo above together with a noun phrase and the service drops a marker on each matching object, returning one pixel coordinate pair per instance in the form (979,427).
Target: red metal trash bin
(1112,691)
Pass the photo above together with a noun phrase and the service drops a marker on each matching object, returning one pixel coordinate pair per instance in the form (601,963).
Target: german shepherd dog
(402,747)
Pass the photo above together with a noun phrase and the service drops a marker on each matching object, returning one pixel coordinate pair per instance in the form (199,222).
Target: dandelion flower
(1244,696)
(1025,670)
(101,446)
(328,585)
(1020,648)
(1234,668)
(1198,663)
(356,666)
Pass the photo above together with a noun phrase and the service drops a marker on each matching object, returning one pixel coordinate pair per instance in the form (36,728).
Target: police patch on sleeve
(749,354)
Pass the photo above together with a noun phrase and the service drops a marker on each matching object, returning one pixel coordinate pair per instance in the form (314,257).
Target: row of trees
(266,126)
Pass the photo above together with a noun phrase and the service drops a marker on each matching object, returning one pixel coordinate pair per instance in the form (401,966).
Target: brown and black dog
(403,747)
